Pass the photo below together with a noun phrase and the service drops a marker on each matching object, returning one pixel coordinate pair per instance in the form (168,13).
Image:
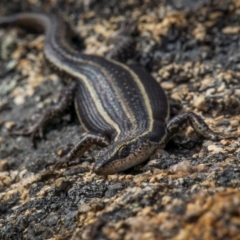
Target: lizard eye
(124,151)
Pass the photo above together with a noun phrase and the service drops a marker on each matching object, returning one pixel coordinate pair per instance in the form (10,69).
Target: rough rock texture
(192,192)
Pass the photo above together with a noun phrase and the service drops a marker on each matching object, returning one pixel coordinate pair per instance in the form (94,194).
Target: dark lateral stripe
(87,112)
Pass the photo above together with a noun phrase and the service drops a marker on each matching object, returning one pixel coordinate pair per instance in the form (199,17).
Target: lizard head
(122,155)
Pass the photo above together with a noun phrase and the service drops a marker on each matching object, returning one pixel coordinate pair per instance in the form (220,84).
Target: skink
(122,108)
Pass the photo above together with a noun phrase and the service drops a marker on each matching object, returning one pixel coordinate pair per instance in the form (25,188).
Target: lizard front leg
(181,121)
(82,146)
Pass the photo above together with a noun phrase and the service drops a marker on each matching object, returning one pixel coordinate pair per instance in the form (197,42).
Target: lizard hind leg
(124,43)
(66,99)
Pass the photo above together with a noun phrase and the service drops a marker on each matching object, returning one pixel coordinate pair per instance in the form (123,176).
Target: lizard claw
(59,163)
(229,136)
(21,133)
(33,132)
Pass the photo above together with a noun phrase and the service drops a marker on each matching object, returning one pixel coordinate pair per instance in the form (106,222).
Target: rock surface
(191,192)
